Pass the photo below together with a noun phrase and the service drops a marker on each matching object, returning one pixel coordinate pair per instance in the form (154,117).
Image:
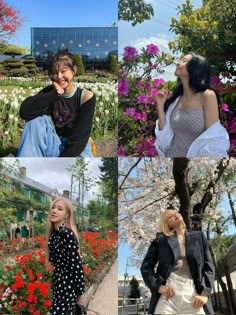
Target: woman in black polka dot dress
(63,253)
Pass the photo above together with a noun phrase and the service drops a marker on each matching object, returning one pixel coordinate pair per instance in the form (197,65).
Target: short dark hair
(63,56)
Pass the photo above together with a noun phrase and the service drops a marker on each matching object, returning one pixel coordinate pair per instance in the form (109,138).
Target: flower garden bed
(25,280)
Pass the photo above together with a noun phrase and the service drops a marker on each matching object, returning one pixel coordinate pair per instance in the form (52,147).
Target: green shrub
(79,64)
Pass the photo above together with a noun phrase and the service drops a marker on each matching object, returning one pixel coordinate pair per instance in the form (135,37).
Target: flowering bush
(16,245)
(136,88)
(25,281)
(25,286)
(96,251)
(137,113)
(227,92)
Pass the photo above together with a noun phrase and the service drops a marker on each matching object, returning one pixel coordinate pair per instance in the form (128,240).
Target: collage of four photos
(117,157)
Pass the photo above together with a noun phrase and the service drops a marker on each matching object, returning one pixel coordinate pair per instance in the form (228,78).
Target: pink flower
(121,151)
(130,53)
(233,144)
(225,107)
(152,49)
(140,84)
(142,99)
(215,80)
(130,111)
(157,82)
(138,116)
(123,86)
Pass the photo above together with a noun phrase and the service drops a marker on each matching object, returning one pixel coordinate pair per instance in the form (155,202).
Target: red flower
(47,303)
(39,275)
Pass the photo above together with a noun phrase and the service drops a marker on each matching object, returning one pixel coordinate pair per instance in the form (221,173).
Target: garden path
(104,301)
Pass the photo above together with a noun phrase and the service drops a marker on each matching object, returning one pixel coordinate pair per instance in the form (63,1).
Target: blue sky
(155,31)
(62,13)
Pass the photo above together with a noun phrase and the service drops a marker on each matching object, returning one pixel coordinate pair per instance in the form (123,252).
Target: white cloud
(53,172)
(161,42)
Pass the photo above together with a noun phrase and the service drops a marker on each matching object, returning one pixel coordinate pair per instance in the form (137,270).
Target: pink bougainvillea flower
(140,84)
(121,151)
(225,107)
(130,111)
(130,53)
(152,49)
(215,80)
(123,86)
(142,99)
(157,82)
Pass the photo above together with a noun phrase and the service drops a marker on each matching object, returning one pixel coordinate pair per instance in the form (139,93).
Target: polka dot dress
(68,276)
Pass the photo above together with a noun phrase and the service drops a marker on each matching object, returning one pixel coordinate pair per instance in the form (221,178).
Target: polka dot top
(63,254)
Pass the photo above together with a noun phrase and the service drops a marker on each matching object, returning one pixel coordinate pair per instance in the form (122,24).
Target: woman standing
(63,252)
(188,124)
(184,277)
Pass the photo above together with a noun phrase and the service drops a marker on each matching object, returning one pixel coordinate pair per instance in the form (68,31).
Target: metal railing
(128,306)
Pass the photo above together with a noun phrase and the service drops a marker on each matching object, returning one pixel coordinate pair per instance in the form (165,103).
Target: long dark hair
(199,79)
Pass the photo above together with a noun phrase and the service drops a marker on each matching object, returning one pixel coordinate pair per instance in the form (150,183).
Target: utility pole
(125,277)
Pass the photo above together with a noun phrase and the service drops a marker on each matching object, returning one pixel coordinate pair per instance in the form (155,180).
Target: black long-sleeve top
(71,120)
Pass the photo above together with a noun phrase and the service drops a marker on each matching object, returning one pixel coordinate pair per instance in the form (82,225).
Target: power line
(173,2)
(160,22)
(168,5)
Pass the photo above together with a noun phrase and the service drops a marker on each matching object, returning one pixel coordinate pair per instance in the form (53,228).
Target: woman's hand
(160,99)
(167,290)
(82,299)
(199,301)
(59,89)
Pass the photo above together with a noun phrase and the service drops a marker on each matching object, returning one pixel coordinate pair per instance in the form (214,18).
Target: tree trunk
(180,174)
(230,285)
(215,297)
(231,203)
(219,299)
(222,284)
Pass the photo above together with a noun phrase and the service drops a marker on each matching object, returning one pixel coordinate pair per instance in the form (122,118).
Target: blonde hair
(164,226)
(70,222)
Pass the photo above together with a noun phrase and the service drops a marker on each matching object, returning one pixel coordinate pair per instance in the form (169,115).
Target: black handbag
(80,309)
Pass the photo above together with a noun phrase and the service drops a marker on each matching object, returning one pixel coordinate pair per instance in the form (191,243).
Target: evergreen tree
(79,64)
(134,289)
(109,179)
(30,64)
(112,64)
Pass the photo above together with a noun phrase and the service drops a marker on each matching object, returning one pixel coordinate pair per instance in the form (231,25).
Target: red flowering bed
(17,245)
(25,280)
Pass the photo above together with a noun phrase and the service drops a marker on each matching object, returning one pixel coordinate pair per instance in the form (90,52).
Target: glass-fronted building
(94,44)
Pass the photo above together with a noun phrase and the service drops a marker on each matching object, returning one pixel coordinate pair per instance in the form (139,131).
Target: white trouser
(181,302)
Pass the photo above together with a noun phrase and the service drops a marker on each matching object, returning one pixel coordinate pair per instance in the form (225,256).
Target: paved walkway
(104,301)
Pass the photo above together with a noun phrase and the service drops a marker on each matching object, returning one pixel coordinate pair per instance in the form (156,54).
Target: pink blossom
(123,86)
(233,144)
(152,49)
(157,82)
(130,111)
(147,147)
(215,80)
(138,116)
(130,53)
(121,151)
(142,99)
(225,107)
(140,84)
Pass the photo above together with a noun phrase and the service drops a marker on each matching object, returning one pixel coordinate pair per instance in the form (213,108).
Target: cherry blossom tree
(147,187)
(10,20)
